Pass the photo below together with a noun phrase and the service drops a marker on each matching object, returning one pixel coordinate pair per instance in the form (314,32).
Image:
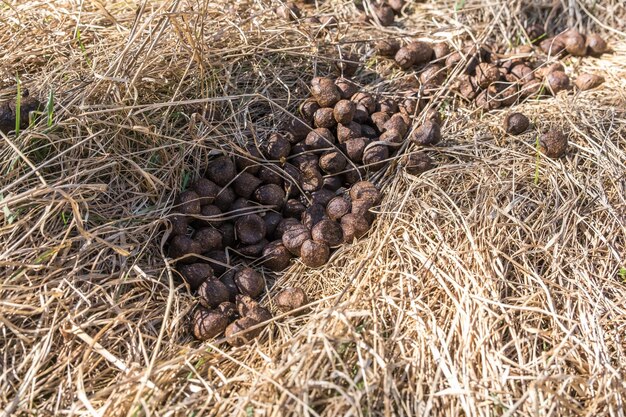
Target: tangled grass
(494,284)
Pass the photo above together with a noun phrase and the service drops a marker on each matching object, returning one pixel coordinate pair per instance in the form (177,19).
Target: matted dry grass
(488,286)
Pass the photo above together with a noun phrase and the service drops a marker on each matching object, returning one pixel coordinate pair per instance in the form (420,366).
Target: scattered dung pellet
(308,109)
(250,229)
(179,225)
(516,123)
(327,231)
(297,128)
(346,132)
(423,52)
(433,76)
(206,190)
(362,207)
(332,162)
(574,42)
(188,202)
(241,205)
(228,279)
(322,196)
(293,208)
(238,334)
(284,225)
(346,88)
(248,161)
(596,45)
(245,184)
(375,156)
(248,307)
(392,137)
(218,260)
(183,245)
(270,174)
(354,149)
(294,237)
(557,81)
(291,298)
(468,89)
(225,199)
(434,116)
(212,216)
(293,178)
(387,105)
(405,57)
(288,11)
(325,91)
(486,100)
(221,171)
(249,282)
(312,179)
(195,274)
(313,215)
(379,119)
(588,81)
(544,70)
(366,100)
(320,138)
(531,89)
(384,13)
(227,229)
(270,195)
(486,74)
(552,46)
(338,207)
(397,123)
(453,60)
(228,309)
(332,183)
(343,112)
(521,73)
(314,254)
(208,238)
(368,132)
(441,50)
(396,5)
(277,147)
(387,47)
(206,324)
(365,190)
(306,161)
(212,293)
(353,226)
(254,250)
(360,114)
(272,219)
(429,133)
(354,174)
(324,117)
(417,163)
(553,143)
(276,256)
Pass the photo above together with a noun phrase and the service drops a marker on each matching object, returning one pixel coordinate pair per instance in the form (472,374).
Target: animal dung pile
(298,193)
(491,79)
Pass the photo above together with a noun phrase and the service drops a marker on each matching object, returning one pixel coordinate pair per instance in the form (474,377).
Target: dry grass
(488,286)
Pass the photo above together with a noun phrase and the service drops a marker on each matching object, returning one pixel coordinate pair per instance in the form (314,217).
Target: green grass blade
(50,107)
(18,106)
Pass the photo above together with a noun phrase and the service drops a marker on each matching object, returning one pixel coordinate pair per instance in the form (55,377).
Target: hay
(488,286)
